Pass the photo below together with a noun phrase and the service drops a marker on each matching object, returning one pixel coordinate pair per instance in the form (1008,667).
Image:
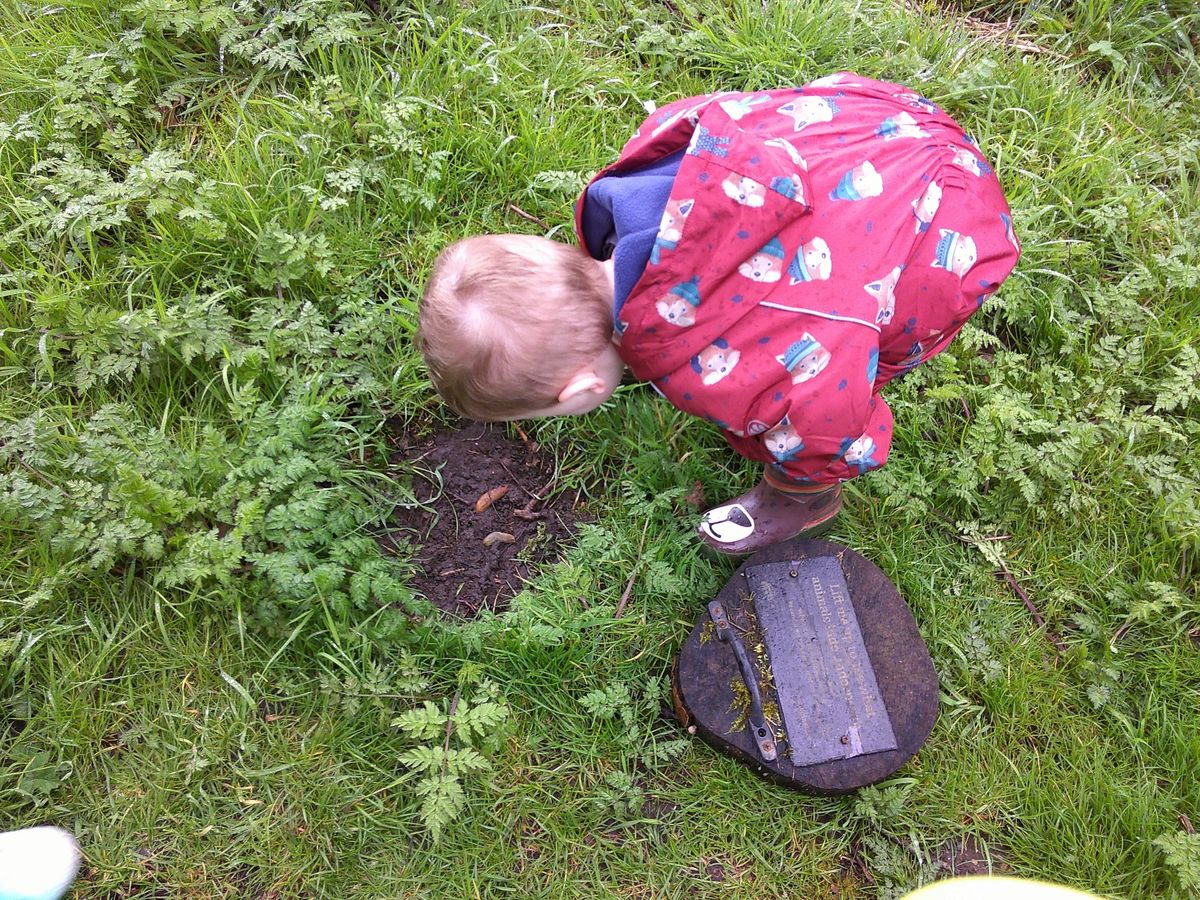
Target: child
(766,260)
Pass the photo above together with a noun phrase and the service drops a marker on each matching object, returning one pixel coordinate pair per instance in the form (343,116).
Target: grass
(201,652)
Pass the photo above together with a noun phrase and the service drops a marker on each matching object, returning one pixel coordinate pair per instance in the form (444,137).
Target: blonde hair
(507,319)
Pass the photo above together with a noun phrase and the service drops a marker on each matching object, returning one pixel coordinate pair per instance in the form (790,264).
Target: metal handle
(756,720)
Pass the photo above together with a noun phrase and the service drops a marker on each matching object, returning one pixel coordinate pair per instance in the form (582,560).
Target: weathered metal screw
(791,573)
(845,738)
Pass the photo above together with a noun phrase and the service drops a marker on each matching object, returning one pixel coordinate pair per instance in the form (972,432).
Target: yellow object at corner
(996,888)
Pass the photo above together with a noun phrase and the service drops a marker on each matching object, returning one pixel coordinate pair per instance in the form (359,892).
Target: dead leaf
(487,498)
(498,537)
(695,497)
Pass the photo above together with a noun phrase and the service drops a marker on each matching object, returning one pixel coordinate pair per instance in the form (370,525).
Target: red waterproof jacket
(817,242)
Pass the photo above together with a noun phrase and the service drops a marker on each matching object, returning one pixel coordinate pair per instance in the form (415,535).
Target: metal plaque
(830,701)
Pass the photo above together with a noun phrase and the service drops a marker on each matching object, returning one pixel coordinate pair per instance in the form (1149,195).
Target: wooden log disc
(709,692)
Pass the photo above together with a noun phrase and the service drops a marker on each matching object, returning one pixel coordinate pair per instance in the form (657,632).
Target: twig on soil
(996,559)
(637,567)
(544,489)
(1119,633)
(1033,610)
(625,595)
(35,473)
(528,217)
(526,512)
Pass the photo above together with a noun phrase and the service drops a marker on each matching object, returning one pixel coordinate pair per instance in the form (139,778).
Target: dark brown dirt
(966,856)
(458,572)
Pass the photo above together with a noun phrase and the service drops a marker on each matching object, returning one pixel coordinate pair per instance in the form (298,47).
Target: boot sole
(811,532)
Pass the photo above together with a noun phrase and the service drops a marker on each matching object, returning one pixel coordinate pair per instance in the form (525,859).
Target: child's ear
(582,382)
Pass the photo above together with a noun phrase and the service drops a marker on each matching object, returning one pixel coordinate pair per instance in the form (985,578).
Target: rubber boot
(766,515)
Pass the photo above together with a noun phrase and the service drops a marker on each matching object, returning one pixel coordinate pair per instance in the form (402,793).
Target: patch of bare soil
(490,514)
(966,856)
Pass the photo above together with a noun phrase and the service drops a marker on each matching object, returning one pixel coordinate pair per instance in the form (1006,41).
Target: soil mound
(491,512)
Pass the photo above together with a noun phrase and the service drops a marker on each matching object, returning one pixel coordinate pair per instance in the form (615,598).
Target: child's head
(514,326)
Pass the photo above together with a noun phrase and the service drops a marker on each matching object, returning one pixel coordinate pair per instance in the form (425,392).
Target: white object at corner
(37,863)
